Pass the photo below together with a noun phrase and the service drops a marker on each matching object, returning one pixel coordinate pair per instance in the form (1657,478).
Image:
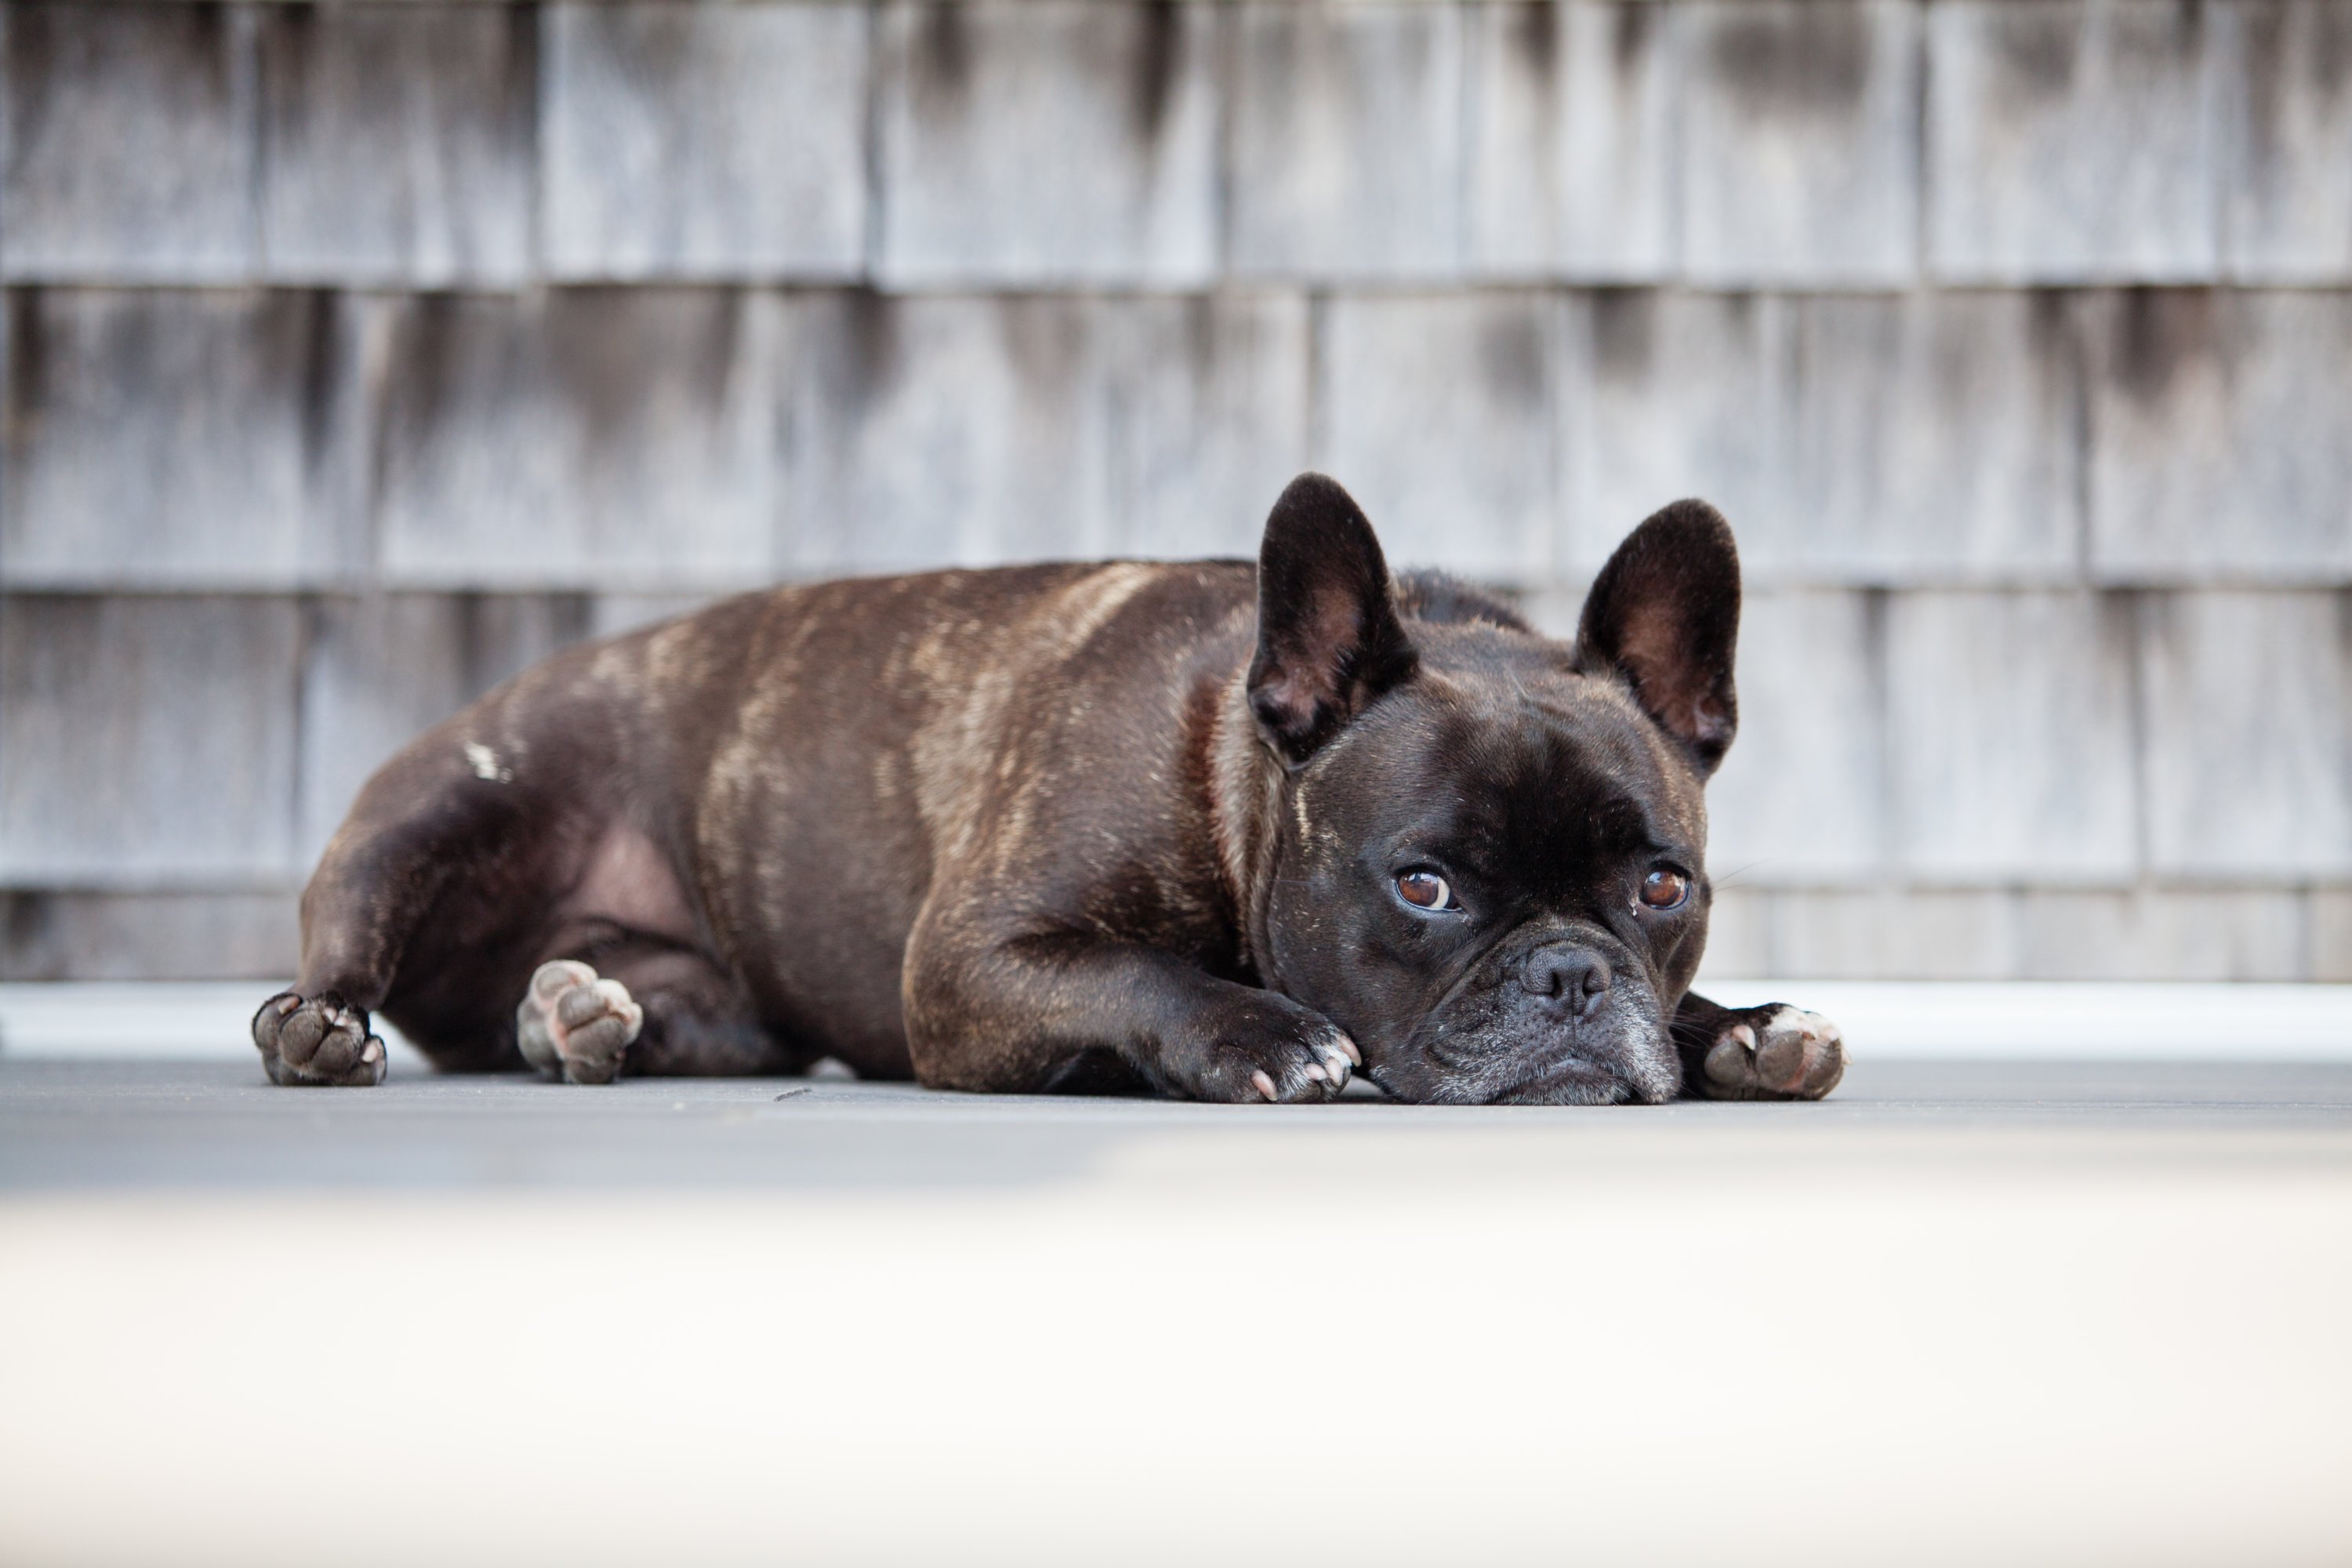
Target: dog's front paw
(317,1040)
(1774,1052)
(1272,1050)
(574,1026)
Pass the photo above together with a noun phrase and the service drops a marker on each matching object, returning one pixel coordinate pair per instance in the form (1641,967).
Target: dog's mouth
(1572,1080)
(1439,1068)
(1558,1079)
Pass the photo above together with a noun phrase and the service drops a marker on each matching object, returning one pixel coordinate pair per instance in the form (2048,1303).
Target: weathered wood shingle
(2010,738)
(1208,414)
(397,144)
(128,144)
(1800,157)
(183,438)
(1931,436)
(48,934)
(2219,435)
(147,741)
(2071,141)
(945,430)
(2248,734)
(1574,117)
(1441,413)
(1051,141)
(1347,140)
(703,141)
(2287,139)
(623,437)
(1670,395)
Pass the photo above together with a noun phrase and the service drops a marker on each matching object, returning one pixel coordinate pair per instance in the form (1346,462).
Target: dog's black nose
(1576,976)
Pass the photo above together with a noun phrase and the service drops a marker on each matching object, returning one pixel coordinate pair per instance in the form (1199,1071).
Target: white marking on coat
(485,764)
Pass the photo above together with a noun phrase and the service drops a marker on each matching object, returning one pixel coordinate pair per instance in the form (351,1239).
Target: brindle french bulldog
(1188,827)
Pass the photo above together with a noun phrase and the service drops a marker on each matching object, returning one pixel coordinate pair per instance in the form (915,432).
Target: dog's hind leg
(438,835)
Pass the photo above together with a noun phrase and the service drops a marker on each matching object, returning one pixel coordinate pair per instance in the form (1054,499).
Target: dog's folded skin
(1216,831)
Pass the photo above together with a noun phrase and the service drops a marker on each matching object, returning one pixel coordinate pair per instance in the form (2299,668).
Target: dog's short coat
(1194,828)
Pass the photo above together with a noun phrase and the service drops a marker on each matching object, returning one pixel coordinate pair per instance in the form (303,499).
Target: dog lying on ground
(1194,827)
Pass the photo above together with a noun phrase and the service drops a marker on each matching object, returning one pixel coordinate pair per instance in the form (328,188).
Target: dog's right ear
(1328,639)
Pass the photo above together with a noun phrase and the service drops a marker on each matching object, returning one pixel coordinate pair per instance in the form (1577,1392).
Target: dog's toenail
(1264,1084)
(1744,1034)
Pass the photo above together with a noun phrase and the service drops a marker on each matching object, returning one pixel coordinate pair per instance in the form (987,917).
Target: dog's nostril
(1575,977)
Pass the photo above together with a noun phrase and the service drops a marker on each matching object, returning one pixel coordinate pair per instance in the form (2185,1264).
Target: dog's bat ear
(1665,614)
(1328,639)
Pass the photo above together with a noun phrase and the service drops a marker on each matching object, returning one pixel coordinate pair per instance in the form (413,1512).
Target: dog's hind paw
(1775,1053)
(317,1040)
(574,1026)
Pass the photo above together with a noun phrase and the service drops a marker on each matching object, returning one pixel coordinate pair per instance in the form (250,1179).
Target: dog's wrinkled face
(1495,885)
(1490,867)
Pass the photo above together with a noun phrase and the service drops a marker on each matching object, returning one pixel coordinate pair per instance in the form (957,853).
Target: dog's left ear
(1664,613)
(1328,639)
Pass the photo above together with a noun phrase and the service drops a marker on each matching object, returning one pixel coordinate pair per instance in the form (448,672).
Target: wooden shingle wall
(357,354)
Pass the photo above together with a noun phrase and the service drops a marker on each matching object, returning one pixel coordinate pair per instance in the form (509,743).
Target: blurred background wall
(356,356)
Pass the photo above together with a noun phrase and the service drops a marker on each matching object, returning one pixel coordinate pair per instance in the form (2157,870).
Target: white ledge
(1985,1021)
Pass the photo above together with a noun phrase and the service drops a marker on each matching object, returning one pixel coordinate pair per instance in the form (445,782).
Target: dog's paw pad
(317,1040)
(1776,1053)
(574,1025)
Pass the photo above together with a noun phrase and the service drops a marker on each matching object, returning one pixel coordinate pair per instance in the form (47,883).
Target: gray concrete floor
(115,1124)
(1958,1314)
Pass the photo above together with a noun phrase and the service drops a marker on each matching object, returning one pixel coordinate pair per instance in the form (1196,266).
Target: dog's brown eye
(1664,889)
(1423,890)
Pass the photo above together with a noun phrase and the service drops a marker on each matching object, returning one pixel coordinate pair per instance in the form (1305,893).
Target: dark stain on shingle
(520,86)
(27,367)
(1535,37)
(209,42)
(313,313)
(614,350)
(654,44)
(943,51)
(1511,356)
(1631,27)
(2051,336)
(1812,60)
(32,72)
(427,368)
(56,53)
(29,948)
(2264,30)
(2153,41)
(1046,338)
(1625,331)
(289,40)
(2159,330)
(1201,337)
(2036,50)
(860,362)
(2327,51)
(1159,47)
